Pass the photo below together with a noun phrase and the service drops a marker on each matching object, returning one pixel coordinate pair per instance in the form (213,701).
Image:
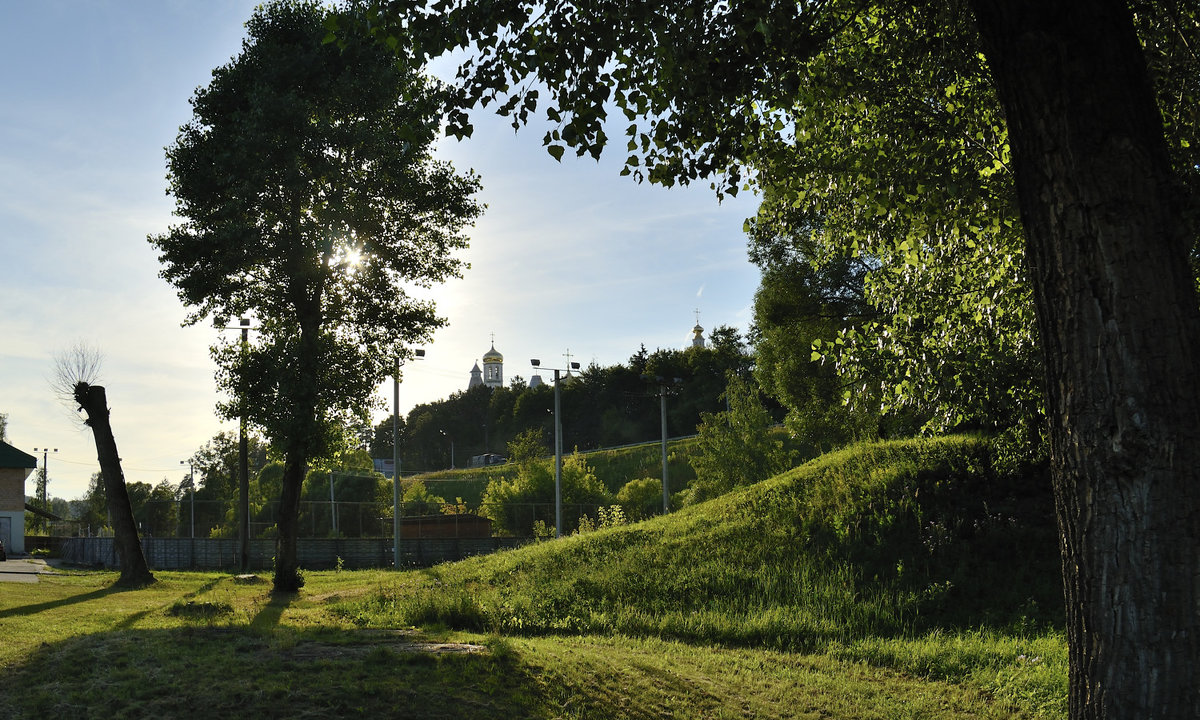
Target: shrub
(736,446)
(641,498)
(515,505)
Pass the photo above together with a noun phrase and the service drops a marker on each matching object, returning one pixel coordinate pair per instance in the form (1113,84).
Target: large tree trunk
(287,564)
(134,571)
(1118,315)
(301,396)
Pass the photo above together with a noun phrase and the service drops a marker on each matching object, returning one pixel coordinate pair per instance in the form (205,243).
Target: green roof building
(15,467)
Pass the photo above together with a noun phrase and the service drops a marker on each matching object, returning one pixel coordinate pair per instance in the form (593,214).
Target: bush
(641,498)
(515,505)
(736,446)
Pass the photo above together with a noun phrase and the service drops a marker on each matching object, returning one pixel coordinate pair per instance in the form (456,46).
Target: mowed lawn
(210,644)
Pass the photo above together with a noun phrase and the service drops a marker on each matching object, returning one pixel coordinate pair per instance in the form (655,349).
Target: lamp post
(396,458)
(243,458)
(244,468)
(443,432)
(191,483)
(43,493)
(557,444)
(44,485)
(663,385)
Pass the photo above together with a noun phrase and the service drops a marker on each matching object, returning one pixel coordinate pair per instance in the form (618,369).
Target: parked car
(487,459)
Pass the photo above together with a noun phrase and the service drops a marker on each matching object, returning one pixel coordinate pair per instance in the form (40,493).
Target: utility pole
(243,510)
(663,385)
(396,504)
(662,399)
(44,483)
(192,486)
(447,436)
(244,470)
(43,493)
(557,442)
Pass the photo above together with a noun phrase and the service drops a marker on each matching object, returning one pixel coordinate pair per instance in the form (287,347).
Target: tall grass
(880,540)
(912,554)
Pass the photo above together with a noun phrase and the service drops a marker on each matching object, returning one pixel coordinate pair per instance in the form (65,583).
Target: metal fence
(216,520)
(313,554)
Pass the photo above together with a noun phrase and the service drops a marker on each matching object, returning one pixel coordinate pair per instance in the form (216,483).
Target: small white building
(15,467)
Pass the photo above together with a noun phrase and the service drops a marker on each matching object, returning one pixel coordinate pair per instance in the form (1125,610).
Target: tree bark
(134,570)
(301,396)
(1119,319)
(287,577)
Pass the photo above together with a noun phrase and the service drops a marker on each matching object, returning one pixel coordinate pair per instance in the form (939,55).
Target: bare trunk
(305,435)
(1120,325)
(134,571)
(287,564)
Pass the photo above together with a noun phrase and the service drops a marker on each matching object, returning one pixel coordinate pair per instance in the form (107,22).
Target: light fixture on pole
(663,385)
(44,485)
(557,443)
(418,354)
(191,484)
(447,435)
(243,457)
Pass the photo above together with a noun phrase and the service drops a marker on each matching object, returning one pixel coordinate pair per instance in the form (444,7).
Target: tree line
(602,406)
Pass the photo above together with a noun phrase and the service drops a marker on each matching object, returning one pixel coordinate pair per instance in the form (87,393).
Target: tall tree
(1107,226)
(802,301)
(905,170)
(93,400)
(311,200)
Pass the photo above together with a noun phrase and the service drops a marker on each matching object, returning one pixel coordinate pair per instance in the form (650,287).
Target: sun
(349,259)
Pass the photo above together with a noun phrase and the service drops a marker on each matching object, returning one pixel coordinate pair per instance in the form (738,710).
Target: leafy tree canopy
(311,200)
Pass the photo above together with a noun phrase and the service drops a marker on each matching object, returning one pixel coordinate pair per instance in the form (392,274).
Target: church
(492,374)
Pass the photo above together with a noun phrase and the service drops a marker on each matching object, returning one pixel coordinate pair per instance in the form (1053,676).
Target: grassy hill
(879,539)
(891,552)
(614,468)
(898,580)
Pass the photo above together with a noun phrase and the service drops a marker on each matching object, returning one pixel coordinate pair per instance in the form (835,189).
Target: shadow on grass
(235,673)
(61,602)
(268,617)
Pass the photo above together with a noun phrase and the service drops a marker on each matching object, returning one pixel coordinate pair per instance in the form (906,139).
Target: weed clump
(200,610)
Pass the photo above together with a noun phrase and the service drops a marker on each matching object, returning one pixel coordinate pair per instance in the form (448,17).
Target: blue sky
(568,256)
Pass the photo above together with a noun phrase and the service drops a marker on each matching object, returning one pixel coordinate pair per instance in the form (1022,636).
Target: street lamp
(663,384)
(243,457)
(419,354)
(443,432)
(191,484)
(557,444)
(45,484)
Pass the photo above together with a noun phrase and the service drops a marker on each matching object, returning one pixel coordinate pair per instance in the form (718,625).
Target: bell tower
(493,367)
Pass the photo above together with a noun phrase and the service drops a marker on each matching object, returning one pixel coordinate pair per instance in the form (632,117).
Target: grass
(879,541)
(76,648)
(843,589)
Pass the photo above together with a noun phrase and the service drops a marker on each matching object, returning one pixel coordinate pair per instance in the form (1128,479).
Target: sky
(569,257)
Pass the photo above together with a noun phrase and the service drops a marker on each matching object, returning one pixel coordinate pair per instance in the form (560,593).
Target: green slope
(879,540)
(613,467)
